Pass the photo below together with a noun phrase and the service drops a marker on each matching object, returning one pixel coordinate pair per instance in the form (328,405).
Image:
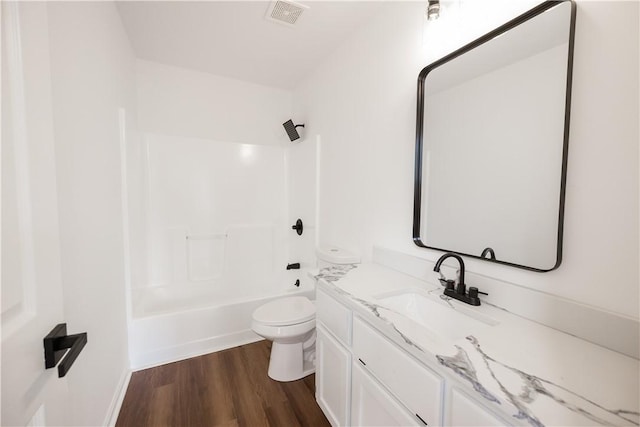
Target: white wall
(362,103)
(180,102)
(93,76)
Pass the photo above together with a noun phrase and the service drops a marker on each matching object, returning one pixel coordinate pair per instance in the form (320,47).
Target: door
(371,405)
(31,278)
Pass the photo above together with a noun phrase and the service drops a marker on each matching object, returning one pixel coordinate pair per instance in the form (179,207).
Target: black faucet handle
(298,227)
(447,283)
(473,292)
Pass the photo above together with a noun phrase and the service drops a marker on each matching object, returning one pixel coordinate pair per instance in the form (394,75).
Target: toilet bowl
(290,323)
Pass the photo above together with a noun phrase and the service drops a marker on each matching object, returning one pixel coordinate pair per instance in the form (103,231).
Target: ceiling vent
(285,12)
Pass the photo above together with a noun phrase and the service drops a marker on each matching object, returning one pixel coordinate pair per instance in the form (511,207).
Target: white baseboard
(192,349)
(118,398)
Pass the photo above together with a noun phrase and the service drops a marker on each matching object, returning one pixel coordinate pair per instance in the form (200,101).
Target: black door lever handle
(58,344)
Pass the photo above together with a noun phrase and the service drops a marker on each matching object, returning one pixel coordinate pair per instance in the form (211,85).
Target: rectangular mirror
(491,143)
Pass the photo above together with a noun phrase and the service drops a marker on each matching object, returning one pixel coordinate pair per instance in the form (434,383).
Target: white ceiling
(233,38)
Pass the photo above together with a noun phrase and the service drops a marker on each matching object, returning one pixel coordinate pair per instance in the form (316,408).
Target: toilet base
(287,362)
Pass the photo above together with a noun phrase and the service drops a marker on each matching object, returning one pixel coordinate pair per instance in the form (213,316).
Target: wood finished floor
(227,388)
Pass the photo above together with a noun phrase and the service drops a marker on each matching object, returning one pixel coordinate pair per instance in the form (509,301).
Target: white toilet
(291,324)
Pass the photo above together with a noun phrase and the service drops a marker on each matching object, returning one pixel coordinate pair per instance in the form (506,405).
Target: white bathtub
(176,322)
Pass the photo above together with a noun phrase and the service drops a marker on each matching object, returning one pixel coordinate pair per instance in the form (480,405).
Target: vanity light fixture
(433,10)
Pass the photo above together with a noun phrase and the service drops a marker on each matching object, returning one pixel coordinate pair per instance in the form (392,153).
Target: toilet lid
(285,311)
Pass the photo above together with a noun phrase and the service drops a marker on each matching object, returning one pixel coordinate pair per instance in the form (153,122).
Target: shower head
(291,130)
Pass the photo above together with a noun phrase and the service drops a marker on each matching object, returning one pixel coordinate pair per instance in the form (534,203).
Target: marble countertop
(521,369)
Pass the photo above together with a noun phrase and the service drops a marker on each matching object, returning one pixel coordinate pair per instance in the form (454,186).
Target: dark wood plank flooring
(227,388)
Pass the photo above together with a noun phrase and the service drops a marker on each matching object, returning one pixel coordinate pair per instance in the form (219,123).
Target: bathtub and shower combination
(210,241)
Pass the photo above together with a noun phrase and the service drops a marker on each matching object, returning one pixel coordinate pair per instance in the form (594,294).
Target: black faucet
(460,291)
(294,266)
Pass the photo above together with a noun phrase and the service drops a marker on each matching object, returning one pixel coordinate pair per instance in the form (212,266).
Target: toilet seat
(285,311)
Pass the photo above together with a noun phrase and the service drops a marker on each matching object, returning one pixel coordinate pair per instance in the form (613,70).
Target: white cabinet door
(32,302)
(464,411)
(371,405)
(333,366)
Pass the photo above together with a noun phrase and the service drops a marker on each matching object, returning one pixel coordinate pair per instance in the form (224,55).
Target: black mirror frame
(417,195)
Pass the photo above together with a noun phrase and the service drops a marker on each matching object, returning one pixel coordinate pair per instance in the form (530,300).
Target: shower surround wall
(187,104)
(215,212)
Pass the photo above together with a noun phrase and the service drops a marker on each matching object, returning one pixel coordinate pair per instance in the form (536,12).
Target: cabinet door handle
(362,361)
(423,421)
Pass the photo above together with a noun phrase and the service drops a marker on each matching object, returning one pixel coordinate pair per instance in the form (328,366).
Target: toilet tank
(332,255)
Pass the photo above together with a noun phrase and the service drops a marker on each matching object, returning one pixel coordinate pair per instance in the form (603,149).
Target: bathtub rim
(307,283)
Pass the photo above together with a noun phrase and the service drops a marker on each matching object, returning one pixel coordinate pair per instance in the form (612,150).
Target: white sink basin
(437,316)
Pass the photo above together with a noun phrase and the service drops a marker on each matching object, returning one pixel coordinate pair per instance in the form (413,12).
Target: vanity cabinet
(365,379)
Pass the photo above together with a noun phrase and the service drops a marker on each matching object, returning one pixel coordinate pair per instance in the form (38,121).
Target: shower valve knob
(298,227)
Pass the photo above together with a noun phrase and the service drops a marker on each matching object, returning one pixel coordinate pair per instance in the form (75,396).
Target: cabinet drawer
(416,386)
(334,316)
